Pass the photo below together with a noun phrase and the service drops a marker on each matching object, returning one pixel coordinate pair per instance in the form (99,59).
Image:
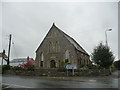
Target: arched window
(41,64)
(41,60)
(42,57)
(50,46)
(66,56)
(53,47)
(56,46)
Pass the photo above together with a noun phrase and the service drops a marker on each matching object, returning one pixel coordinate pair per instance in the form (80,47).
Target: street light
(107,42)
(106,35)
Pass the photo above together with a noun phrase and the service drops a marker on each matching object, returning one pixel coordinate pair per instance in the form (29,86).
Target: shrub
(84,67)
(31,68)
(5,67)
(92,67)
(16,68)
(61,70)
(29,65)
(117,64)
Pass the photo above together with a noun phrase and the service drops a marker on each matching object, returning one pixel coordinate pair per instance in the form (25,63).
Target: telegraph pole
(8,61)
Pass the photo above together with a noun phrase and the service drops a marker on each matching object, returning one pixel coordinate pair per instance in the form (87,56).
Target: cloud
(85,22)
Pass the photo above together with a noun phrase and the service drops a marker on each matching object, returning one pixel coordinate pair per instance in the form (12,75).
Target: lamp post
(107,42)
(106,35)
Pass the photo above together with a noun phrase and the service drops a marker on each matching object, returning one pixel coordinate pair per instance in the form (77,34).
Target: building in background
(19,61)
(58,48)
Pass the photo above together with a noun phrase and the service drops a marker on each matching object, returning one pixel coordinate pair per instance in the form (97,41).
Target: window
(67,54)
(50,45)
(41,64)
(41,60)
(66,60)
(42,57)
(56,46)
(53,47)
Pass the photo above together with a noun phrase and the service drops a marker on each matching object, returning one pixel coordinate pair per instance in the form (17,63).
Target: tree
(117,64)
(102,56)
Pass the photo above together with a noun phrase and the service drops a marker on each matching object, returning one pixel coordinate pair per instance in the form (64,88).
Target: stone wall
(61,73)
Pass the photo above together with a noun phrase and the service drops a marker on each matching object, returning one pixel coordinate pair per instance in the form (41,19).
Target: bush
(93,67)
(117,64)
(31,68)
(29,65)
(84,67)
(5,67)
(61,70)
(16,68)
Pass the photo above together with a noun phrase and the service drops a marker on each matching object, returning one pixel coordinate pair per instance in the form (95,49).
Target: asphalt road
(60,82)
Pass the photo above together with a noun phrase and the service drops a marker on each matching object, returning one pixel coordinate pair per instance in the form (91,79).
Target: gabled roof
(70,39)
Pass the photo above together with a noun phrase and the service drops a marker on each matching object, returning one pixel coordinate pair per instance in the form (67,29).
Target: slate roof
(75,44)
(71,40)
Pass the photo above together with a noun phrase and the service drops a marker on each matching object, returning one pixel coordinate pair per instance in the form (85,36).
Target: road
(61,82)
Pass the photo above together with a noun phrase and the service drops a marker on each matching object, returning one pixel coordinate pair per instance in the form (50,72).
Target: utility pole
(107,42)
(8,61)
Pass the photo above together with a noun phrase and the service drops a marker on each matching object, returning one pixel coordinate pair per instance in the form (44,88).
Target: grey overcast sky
(86,22)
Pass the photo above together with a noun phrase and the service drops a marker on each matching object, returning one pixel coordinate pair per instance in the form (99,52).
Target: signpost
(71,66)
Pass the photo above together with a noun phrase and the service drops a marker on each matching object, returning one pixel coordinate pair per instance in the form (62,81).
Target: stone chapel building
(58,48)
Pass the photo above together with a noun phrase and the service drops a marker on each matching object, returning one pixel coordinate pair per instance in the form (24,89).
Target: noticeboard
(71,66)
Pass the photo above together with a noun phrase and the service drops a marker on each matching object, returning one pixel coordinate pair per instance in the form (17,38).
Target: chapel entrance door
(52,64)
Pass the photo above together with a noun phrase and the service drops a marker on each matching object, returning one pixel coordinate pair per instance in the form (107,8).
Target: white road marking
(14,85)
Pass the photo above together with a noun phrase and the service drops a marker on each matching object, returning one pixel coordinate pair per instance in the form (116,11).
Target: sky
(29,22)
